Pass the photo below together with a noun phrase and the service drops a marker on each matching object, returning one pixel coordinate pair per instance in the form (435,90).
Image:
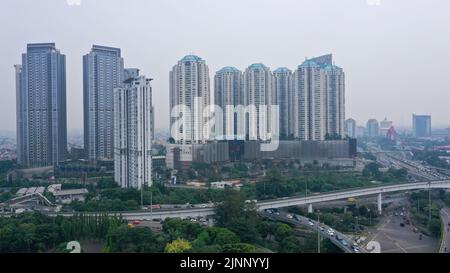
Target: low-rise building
(196,184)
(68,196)
(330,152)
(226,184)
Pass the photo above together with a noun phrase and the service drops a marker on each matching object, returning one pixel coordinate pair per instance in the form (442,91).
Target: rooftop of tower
(257,66)
(229,69)
(105,48)
(41,45)
(282,70)
(321,61)
(324,60)
(308,63)
(191,58)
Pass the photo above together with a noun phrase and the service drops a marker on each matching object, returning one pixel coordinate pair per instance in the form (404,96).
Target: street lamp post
(142,196)
(429,203)
(318,231)
(151,202)
(306,188)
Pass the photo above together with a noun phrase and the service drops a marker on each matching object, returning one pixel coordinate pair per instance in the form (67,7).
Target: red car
(136,222)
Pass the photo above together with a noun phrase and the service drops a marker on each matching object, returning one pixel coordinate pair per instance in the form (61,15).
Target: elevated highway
(281,202)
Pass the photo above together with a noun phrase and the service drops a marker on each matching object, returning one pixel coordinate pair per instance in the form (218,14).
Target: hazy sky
(396,55)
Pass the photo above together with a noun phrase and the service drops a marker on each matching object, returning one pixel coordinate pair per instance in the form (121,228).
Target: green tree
(216,236)
(178,246)
(283,231)
(372,170)
(290,244)
(435,227)
(239,248)
(135,240)
(232,207)
(178,228)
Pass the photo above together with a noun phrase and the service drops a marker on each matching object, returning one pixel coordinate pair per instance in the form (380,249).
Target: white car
(289,216)
(355,249)
(311,223)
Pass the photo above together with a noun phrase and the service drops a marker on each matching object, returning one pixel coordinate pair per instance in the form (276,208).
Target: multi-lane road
(445,245)
(401,159)
(337,238)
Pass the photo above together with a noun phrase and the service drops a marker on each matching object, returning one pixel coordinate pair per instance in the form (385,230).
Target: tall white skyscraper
(308,83)
(228,93)
(283,91)
(41,106)
(190,89)
(133,125)
(102,72)
(335,100)
(318,89)
(258,91)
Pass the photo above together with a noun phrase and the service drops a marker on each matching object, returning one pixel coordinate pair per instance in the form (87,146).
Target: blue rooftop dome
(228,69)
(257,66)
(191,58)
(282,70)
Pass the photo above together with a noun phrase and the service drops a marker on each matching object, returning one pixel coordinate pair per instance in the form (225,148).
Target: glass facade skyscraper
(102,72)
(41,106)
(421,125)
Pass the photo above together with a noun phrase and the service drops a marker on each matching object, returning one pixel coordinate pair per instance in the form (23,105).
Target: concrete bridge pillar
(310,208)
(379,204)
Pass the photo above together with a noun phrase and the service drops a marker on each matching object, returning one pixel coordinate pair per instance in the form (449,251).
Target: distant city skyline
(372,51)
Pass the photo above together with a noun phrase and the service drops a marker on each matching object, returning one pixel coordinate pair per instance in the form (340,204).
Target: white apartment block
(335,100)
(284,95)
(258,91)
(228,93)
(189,88)
(318,100)
(309,102)
(133,127)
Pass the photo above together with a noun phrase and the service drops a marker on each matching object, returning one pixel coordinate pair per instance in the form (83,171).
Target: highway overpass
(281,202)
(331,196)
